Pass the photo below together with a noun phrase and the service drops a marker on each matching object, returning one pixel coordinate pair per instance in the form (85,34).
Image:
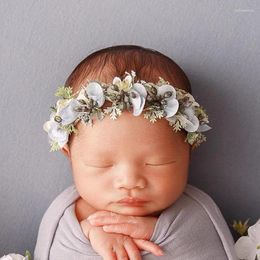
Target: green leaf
(200,112)
(54,146)
(191,137)
(69,128)
(114,111)
(239,227)
(64,92)
(177,126)
(195,139)
(162,81)
(28,255)
(153,113)
(53,109)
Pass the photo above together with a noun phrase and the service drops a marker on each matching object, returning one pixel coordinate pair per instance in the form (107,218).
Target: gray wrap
(192,228)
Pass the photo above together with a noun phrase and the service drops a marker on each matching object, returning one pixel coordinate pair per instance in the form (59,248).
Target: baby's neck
(155,214)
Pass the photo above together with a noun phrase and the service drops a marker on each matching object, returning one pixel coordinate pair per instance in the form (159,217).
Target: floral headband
(157,101)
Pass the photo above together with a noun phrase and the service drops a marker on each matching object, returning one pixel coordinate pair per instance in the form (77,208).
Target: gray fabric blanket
(192,228)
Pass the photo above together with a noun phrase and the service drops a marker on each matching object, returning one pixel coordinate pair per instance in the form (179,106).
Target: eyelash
(160,164)
(148,164)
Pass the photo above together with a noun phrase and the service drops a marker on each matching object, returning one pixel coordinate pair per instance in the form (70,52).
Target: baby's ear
(66,150)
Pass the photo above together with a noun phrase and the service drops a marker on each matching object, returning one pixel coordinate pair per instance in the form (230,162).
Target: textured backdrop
(215,42)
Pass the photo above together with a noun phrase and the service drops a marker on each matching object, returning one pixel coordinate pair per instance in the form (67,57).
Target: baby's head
(129,156)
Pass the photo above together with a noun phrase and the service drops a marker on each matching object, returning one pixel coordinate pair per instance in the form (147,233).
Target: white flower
(189,121)
(137,97)
(192,122)
(65,115)
(172,105)
(55,133)
(65,109)
(14,257)
(124,84)
(95,92)
(203,128)
(248,247)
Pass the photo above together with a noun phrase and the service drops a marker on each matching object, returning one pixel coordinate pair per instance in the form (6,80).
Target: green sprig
(64,92)
(153,114)
(54,146)
(113,111)
(28,255)
(240,227)
(69,128)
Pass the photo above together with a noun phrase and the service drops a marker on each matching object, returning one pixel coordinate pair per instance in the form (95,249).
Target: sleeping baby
(128,123)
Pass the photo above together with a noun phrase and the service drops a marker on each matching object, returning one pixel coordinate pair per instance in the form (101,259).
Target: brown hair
(149,64)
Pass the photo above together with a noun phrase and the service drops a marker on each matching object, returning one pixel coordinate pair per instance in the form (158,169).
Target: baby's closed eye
(111,165)
(160,164)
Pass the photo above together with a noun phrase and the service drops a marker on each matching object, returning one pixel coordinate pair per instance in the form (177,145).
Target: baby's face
(129,156)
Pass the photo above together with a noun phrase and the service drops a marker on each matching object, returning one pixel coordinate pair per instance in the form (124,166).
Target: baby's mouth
(130,201)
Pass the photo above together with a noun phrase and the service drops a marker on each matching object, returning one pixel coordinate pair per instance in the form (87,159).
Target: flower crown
(155,100)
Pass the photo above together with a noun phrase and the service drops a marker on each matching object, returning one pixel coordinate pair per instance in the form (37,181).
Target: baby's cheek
(170,186)
(85,187)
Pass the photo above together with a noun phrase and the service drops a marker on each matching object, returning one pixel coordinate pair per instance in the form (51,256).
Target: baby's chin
(136,211)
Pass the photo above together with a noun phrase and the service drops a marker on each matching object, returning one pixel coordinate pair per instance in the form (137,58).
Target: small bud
(82,101)
(80,109)
(57,119)
(149,98)
(156,103)
(167,94)
(124,105)
(164,102)
(133,95)
(153,90)
(185,99)
(114,87)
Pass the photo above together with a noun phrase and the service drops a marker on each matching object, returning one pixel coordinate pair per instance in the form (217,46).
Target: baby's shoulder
(195,210)
(51,218)
(62,201)
(195,198)
(198,204)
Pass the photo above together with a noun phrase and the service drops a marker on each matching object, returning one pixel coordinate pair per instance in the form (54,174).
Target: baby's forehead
(130,131)
(126,123)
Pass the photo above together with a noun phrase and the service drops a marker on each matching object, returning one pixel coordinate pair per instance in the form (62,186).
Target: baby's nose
(129,176)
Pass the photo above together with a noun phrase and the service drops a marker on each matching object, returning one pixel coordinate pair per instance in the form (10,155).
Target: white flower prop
(248,247)
(95,92)
(66,111)
(14,257)
(192,122)
(138,95)
(155,100)
(17,256)
(171,103)
(64,115)
(55,133)
(126,83)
